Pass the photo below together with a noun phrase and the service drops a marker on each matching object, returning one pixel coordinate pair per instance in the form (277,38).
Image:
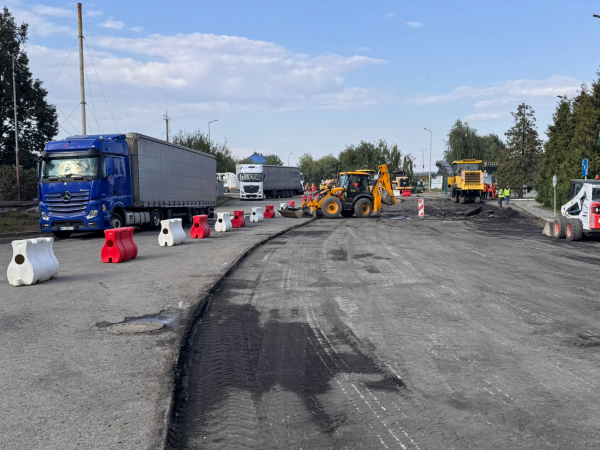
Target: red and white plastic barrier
(421,208)
(200,228)
(223,223)
(270,212)
(171,233)
(119,245)
(292,204)
(33,261)
(239,220)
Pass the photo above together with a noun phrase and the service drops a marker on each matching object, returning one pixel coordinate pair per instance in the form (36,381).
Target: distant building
(257,159)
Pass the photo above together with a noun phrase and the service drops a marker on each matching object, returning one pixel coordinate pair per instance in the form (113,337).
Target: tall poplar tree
(518,165)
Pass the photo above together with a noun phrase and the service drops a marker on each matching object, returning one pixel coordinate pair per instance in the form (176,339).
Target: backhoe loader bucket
(386,199)
(295,213)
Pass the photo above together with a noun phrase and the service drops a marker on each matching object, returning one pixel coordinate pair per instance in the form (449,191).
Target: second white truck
(258,181)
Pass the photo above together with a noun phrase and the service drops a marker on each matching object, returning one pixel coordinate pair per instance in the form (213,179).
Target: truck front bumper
(254,196)
(79,223)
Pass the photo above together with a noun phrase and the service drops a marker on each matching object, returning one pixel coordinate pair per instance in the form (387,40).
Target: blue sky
(314,76)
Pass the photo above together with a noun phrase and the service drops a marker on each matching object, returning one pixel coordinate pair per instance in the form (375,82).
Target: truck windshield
(70,167)
(596,194)
(342,181)
(471,166)
(250,176)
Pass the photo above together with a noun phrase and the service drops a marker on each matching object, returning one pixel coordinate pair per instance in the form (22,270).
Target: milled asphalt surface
(65,381)
(447,332)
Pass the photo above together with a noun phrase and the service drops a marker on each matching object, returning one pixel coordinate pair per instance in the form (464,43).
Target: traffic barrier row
(33,261)
(119,245)
(171,233)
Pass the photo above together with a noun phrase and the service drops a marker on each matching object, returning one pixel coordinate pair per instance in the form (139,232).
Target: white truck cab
(251,179)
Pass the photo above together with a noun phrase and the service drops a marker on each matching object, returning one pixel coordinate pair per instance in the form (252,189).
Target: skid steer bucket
(295,213)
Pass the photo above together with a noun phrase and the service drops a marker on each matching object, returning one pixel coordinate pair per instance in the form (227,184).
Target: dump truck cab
(467,181)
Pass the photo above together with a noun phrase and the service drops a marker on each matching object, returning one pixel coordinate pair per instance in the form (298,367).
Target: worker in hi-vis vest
(507,194)
(500,197)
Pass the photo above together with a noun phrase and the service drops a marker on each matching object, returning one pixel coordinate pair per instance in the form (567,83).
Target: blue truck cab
(83,181)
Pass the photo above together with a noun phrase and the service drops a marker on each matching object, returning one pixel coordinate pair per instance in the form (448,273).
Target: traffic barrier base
(283,206)
(119,245)
(171,233)
(270,212)
(200,228)
(223,223)
(406,193)
(33,261)
(292,204)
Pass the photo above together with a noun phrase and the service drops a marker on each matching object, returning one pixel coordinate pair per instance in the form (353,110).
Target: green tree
(37,120)
(408,165)
(198,140)
(518,165)
(491,148)
(463,142)
(369,155)
(315,171)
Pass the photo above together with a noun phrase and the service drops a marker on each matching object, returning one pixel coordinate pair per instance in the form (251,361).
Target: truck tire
(560,226)
(61,234)
(155,218)
(574,230)
(363,208)
(332,207)
(116,221)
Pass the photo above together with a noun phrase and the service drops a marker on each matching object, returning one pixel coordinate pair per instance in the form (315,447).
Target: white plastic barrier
(283,206)
(254,215)
(171,233)
(223,222)
(259,213)
(33,261)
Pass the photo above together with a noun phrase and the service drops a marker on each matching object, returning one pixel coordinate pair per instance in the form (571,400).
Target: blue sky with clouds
(313,76)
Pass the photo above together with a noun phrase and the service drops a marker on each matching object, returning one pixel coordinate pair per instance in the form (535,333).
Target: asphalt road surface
(397,332)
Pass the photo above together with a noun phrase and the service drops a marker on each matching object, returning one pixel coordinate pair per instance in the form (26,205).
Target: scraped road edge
(180,367)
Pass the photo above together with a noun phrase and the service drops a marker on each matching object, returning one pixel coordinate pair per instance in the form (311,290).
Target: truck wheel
(155,218)
(116,221)
(363,208)
(332,207)
(61,234)
(574,230)
(560,226)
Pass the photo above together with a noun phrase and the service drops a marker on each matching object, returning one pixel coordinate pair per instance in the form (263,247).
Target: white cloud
(137,29)
(92,13)
(45,10)
(113,24)
(486,117)
(199,74)
(415,24)
(390,15)
(506,92)
(361,49)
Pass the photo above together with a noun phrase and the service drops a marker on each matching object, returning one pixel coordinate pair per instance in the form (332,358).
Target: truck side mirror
(264,176)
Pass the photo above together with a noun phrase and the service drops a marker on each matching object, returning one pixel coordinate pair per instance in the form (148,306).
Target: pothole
(143,324)
(134,327)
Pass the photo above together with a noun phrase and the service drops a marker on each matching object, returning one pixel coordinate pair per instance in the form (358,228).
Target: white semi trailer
(258,181)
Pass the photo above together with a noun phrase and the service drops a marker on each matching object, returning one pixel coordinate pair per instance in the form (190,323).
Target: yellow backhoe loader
(357,193)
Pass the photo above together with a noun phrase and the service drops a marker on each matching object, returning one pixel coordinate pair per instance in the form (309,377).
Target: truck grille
(472,178)
(250,189)
(67,203)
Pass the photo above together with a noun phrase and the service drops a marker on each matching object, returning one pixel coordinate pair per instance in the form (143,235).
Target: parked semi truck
(109,181)
(230,181)
(262,181)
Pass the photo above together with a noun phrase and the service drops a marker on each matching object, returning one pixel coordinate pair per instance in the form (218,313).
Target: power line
(101,88)
(93,110)
(62,112)
(63,65)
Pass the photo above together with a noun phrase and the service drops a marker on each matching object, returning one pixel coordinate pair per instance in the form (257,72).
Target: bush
(8,183)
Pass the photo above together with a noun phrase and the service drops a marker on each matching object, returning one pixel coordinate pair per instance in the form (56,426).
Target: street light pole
(16,128)
(289,159)
(216,120)
(430,145)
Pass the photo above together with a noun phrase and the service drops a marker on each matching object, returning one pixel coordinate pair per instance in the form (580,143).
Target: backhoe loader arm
(382,191)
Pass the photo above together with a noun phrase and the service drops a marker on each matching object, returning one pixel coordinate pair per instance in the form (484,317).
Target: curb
(180,368)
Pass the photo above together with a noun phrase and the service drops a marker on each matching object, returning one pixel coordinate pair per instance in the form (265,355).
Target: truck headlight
(93,213)
(44,216)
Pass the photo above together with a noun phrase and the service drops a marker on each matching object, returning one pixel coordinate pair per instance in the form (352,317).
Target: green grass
(19,221)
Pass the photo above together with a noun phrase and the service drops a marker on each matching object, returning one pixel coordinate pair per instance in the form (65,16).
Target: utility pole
(81,71)
(423,157)
(16,129)
(167,120)
(430,145)
(216,120)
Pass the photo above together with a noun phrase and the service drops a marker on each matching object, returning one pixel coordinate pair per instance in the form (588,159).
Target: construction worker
(485,190)
(507,194)
(313,186)
(500,193)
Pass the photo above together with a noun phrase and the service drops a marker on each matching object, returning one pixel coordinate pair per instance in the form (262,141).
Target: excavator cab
(354,183)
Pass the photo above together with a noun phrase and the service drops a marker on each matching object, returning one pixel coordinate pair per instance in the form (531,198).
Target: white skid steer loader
(581,214)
